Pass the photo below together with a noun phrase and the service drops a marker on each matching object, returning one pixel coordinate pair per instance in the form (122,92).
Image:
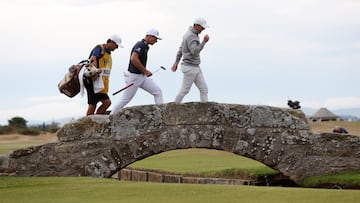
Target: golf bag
(70,84)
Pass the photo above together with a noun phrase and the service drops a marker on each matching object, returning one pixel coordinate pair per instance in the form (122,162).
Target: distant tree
(18,122)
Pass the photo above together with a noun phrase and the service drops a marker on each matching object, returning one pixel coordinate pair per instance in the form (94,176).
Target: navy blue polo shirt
(98,52)
(141,48)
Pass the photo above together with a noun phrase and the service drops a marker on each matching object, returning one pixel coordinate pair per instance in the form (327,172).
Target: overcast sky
(260,52)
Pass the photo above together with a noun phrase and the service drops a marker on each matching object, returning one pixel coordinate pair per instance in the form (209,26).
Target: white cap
(201,22)
(154,32)
(117,39)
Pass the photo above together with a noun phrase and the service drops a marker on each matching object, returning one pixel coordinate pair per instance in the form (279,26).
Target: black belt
(135,72)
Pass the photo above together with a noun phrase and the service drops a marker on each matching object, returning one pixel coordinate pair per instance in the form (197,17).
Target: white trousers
(192,74)
(139,81)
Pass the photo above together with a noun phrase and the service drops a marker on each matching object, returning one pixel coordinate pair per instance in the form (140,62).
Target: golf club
(124,88)
(161,67)
(131,84)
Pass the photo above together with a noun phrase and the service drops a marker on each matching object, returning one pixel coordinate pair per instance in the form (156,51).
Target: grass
(7,147)
(204,163)
(352,127)
(85,189)
(349,177)
(220,164)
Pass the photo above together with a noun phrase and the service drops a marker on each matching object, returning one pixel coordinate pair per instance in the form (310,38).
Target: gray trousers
(192,74)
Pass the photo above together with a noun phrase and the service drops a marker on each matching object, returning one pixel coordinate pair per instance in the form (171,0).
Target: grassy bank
(338,180)
(81,189)
(204,163)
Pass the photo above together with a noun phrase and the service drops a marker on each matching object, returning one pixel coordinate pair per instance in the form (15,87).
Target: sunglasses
(115,44)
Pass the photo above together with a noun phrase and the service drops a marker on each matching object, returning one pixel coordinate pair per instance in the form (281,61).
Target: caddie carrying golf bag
(70,84)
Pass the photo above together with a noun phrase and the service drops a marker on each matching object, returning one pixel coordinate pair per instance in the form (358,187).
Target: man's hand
(147,73)
(174,68)
(206,38)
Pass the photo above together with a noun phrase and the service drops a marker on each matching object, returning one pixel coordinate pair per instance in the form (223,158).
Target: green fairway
(204,162)
(82,189)
(7,147)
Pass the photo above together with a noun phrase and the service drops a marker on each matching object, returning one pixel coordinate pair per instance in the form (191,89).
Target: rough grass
(89,190)
(352,127)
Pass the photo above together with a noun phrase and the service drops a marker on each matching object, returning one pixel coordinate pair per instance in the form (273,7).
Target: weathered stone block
(139,176)
(155,177)
(172,179)
(190,180)
(125,174)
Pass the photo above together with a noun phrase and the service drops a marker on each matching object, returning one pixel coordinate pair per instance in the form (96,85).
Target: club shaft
(161,67)
(124,88)
(131,84)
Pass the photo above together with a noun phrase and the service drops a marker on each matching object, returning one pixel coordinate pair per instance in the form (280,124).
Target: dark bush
(7,130)
(30,131)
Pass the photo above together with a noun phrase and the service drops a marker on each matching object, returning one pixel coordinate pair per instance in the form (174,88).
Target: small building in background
(323,114)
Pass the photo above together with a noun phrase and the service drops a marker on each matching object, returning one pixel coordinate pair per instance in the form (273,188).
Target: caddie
(97,86)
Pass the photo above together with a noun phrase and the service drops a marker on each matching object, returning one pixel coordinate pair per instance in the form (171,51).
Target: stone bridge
(102,145)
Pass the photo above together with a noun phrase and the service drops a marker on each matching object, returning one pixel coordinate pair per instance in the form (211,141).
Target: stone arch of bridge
(261,133)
